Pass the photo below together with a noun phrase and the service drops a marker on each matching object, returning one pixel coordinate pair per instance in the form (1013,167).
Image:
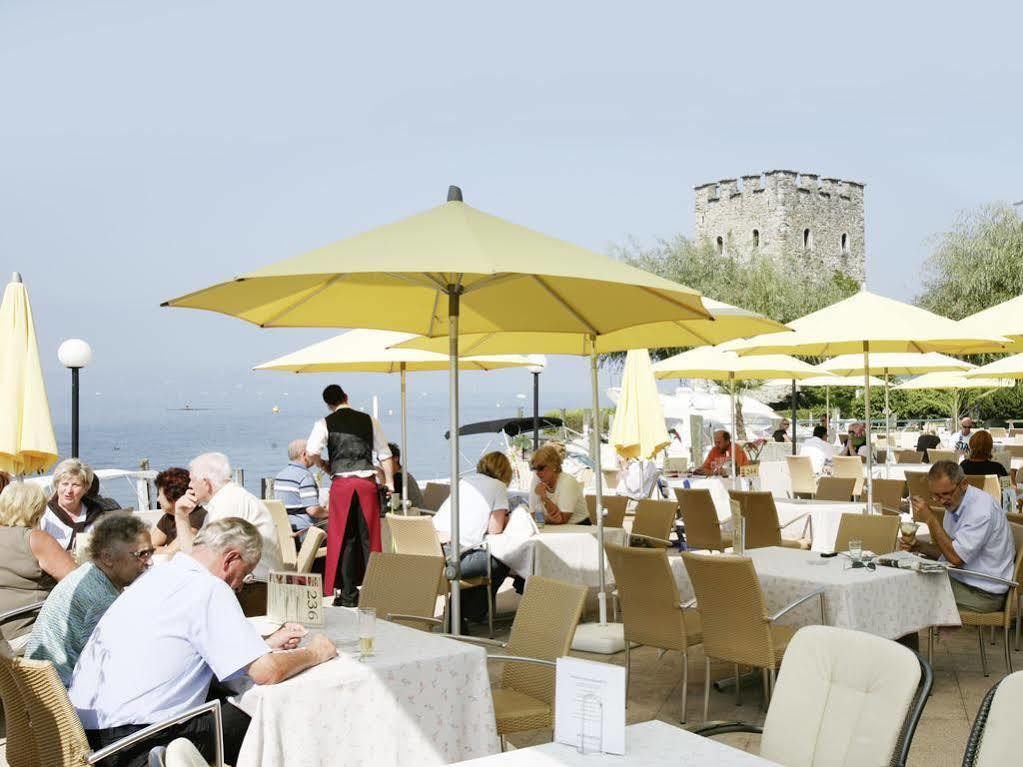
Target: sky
(148,149)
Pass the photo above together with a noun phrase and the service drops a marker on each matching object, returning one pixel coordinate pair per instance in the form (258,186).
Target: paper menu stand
(295,598)
(589,706)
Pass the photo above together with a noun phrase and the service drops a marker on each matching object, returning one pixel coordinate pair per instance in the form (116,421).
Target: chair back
(700,518)
(761,515)
(802,480)
(732,611)
(402,584)
(878,532)
(1016,451)
(435,494)
(418,536)
(994,739)
(843,697)
(675,464)
(998,432)
(310,548)
(285,537)
(543,628)
(655,519)
(849,466)
(1014,517)
(20,749)
(943,455)
(59,738)
(988,483)
(835,489)
(649,597)
(889,492)
(917,484)
(909,456)
(614,505)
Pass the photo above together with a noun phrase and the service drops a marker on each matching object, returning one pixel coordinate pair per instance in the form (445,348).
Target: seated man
(720,454)
(960,441)
(156,650)
(818,448)
(415,495)
(119,552)
(295,487)
(975,536)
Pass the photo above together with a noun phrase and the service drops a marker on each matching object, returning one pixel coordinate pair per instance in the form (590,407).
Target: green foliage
(574,418)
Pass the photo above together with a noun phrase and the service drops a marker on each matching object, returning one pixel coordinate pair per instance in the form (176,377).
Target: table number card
(295,598)
(589,706)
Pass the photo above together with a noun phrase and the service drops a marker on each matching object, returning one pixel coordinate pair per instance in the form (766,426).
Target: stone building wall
(781,212)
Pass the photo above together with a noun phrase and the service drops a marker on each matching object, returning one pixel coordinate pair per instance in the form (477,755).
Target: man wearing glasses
(975,535)
(119,552)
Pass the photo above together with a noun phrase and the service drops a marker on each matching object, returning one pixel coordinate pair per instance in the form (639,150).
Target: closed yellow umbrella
(367,351)
(450,270)
(638,430)
(27,442)
(1005,318)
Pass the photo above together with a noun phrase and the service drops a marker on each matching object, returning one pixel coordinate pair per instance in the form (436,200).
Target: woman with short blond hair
(31,561)
(70,510)
(557,494)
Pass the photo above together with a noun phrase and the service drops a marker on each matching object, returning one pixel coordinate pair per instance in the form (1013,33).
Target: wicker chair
(850,467)
(994,739)
(878,533)
(285,535)
(310,549)
(434,495)
(843,697)
(988,483)
(652,612)
(835,489)
(736,626)
(762,525)
(936,455)
(1003,618)
(889,493)
(403,588)
(802,479)
(700,518)
(541,633)
(653,523)
(417,535)
(44,729)
(909,456)
(614,509)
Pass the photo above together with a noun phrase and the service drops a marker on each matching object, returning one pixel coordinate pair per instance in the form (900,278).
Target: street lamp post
(75,354)
(536,370)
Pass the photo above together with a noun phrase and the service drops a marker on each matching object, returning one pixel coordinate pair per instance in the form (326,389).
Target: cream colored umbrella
(27,442)
(867,323)
(1007,367)
(1005,318)
(954,383)
(367,351)
(638,430)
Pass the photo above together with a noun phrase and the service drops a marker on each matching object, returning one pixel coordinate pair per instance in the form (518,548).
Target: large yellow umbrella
(450,270)
(367,351)
(638,430)
(1007,367)
(866,323)
(1006,318)
(953,382)
(27,442)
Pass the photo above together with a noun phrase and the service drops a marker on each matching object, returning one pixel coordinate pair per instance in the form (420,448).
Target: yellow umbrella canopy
(638,430)
(953,380)
(892,363)
(720,364)
(1005,318)
(831,381)
(1007,367)
(27,442)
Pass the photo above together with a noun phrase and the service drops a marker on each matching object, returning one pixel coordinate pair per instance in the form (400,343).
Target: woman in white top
(482,511)
(70,511)
(559,495)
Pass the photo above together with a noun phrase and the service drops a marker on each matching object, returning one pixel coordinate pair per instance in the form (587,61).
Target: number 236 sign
(295,598)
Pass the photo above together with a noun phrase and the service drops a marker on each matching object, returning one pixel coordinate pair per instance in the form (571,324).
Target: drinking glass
(909,532)
(367,631)
(855,549)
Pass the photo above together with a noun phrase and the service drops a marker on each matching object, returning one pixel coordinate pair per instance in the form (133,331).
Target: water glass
(367,631)
(855,549)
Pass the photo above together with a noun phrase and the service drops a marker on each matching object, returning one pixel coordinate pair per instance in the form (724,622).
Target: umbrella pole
(869,479)
(795,411)
(827,412)
(887,427)
(735,425)
(453,569)
(598,477)
(404,444)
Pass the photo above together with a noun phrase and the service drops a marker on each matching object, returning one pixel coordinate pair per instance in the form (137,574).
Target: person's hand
(541,491)
(186,504)
(323,649)
(921,511)
(903,546)
(287,636)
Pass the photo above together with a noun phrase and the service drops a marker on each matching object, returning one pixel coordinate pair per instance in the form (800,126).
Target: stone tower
(784,213)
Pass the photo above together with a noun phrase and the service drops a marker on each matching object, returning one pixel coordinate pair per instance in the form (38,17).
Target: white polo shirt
(479,496)
(233,500)
(153,653)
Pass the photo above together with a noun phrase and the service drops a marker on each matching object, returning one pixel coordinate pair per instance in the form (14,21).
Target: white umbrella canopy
(1006,318)
(953,382)
(1007,367)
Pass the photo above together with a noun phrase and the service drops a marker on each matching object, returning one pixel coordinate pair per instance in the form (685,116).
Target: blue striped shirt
(296,488)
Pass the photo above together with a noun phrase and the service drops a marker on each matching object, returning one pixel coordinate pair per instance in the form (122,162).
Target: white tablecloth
(564,552)
(648,744)
(825,516)
(422,700)
(887,601)
(898,470)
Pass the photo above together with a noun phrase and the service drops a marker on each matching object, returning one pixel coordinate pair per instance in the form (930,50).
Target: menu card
(295,598)
(589,706)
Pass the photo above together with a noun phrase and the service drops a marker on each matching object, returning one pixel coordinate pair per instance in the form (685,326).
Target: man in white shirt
(817,448)
(960,441)
(154,653)
(352,439)
(210,485)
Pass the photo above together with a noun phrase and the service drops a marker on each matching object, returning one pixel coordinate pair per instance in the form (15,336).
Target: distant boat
(187,408)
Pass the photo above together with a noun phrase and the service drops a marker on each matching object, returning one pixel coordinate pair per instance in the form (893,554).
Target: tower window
(721,245)
(756,238)
(807,239)
(845,244)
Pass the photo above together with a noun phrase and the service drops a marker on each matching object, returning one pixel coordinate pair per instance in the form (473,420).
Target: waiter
(351,438)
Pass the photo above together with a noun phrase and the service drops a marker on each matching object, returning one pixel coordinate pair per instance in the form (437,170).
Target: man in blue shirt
(295,487)
(975,536)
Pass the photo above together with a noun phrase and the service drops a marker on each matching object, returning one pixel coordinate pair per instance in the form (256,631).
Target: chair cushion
(1000,742)
(516,712)
(841,699)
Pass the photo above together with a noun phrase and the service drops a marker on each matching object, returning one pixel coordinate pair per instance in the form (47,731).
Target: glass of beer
(909,532)
(367,631)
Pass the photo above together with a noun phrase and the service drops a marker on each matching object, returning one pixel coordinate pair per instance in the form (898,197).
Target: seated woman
(31,561)
(979,462)
(557,494)
(70,511)
(856,444)
(171,484)
(482,511)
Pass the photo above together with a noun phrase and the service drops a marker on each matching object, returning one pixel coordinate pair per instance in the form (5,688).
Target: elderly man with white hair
(296,488)
(157,648)
(210,484)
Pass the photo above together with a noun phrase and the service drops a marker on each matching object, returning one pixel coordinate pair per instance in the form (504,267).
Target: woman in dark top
(171,484)
(979,462)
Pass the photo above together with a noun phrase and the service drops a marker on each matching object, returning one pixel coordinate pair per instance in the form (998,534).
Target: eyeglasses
(541,467)
(142,554)
(950,495)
